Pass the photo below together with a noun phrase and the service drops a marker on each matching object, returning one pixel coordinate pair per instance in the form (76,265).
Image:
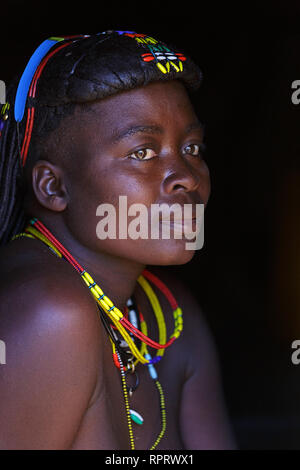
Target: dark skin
(59,388)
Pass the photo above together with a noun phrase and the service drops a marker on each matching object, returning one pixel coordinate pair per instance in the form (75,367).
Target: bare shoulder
(43,290)
(50,326)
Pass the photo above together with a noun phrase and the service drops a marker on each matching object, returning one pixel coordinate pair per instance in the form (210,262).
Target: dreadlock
(12,215)
(87,69)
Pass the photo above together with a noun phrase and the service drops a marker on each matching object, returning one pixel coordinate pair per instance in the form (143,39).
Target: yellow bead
(85,280)
(118,312)
(108,301)
(94,292)
(89,278)
(150,39)
(98,290)
(175,66)
(161,67)
(114,315)
(177,313)
(56,38)
(104,304)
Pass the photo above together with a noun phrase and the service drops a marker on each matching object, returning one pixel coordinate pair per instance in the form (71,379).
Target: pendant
(136,417)
(137,382)
(123,344)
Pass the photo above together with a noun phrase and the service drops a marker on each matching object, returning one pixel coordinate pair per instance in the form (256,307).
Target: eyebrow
(130,131)
(195,126)
(151,129)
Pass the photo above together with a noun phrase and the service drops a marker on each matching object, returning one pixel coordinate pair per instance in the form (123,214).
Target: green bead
(136,417)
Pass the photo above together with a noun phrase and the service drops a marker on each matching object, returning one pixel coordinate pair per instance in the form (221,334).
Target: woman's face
(143,144)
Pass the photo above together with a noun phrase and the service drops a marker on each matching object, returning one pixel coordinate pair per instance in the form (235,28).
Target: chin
(153,252)
(167,252)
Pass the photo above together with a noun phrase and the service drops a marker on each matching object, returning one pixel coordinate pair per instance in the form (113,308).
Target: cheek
(82,221)
(88,194)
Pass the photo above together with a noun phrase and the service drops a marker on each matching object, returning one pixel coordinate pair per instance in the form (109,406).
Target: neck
(115,275)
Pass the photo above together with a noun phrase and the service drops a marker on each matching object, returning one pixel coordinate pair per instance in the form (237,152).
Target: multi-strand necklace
(114,320)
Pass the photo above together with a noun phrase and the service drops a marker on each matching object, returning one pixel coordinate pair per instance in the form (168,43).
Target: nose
(187,178)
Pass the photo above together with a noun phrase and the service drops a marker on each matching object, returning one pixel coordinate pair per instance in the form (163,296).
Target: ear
(48,186)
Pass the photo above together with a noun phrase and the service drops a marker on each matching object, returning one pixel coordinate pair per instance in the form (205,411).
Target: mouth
(186,227)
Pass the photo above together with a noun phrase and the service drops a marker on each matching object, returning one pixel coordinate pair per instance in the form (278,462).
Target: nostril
(177,186)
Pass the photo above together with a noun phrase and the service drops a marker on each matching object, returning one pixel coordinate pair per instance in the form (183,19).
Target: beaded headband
(152,51)
(27,76)
(28,82)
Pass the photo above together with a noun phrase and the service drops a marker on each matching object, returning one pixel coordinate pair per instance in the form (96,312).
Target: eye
(194,149)
(142,154)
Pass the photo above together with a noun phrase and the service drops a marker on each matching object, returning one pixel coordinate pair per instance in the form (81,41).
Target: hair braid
(12,215)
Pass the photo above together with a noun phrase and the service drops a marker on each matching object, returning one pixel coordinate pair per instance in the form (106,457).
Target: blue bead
(155,360)
(151,368)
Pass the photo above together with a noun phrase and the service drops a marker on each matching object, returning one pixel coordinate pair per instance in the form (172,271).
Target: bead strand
(125,394)
(153,375)
(157,311)
(163,415)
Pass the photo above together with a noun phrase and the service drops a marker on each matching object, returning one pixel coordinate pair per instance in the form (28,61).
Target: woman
(93,118)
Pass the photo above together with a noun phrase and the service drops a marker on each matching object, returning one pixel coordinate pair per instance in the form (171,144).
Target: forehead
(159,102)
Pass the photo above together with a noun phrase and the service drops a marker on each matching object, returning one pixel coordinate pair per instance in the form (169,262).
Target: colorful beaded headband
(27,76)
(153,50)
(28,82)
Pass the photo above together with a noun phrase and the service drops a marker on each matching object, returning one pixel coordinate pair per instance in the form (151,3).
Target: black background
(247,276)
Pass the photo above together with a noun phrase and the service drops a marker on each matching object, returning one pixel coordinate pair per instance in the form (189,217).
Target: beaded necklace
(136,417)
(37,230)
(115,315)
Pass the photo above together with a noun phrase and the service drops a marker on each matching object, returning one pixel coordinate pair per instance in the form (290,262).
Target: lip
(183,202)
(186,228)
(181,213)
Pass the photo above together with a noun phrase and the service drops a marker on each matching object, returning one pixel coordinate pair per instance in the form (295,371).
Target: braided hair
(79,71)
